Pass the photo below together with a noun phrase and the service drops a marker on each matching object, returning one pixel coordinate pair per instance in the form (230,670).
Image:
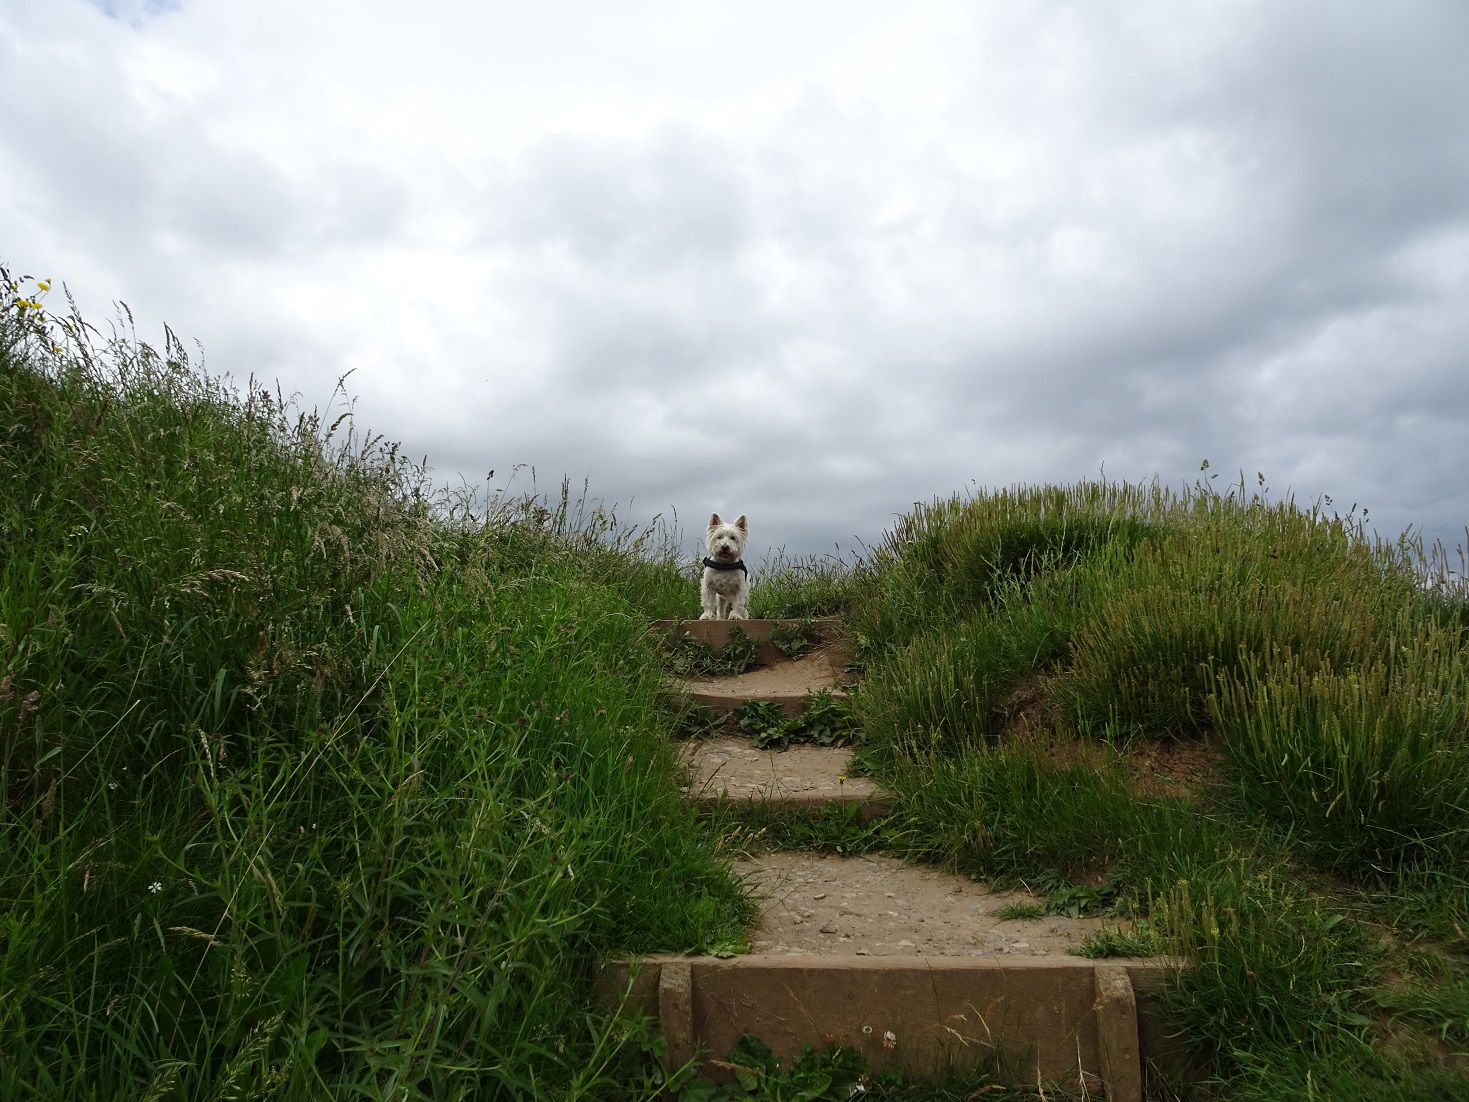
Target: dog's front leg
(739,607)
(709,601)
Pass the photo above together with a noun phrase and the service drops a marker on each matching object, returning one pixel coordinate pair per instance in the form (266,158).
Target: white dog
(725,590)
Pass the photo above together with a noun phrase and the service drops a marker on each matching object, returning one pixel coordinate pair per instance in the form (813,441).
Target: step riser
(790,704)
(868,808)
(1053,1019)
(716,634)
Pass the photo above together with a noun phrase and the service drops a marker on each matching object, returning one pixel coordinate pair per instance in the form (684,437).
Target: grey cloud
(667,202)
(1133,235)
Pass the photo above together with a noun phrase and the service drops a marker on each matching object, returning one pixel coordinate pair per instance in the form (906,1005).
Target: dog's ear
(714,521)
(740,524)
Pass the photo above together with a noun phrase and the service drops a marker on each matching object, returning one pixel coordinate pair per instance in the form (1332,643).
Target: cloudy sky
(811,261)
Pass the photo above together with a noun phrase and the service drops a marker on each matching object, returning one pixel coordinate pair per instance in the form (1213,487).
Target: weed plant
(794,639)
(827,721)
(690,657)
(310,786)
(837,1072)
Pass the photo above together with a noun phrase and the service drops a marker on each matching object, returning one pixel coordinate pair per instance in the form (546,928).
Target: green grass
(837,1072)
(1114,941)
(749,828)
(1017,646)
(309,787)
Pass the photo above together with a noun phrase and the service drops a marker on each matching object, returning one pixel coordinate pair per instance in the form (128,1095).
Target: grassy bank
(1033,656)
(306,791)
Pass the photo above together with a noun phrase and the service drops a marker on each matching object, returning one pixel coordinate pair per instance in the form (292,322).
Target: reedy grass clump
(1314,655)
(796,588)
(1369,766)
(309,787)
(530,530)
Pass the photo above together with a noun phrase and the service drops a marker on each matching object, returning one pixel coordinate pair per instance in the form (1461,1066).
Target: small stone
(862,952)
(821,896)
(828,929)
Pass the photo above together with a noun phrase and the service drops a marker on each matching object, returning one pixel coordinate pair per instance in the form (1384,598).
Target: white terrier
(725,590)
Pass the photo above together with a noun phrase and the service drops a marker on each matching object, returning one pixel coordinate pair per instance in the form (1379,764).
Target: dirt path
(815,904)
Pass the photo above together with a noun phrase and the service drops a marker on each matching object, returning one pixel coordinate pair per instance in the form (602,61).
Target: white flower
(156,887)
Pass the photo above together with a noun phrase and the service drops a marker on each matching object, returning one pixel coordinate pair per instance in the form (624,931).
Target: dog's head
(726,542)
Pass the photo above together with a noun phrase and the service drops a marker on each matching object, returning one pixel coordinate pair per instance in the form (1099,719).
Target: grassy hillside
(305,791)
(317,783)
(1033,655)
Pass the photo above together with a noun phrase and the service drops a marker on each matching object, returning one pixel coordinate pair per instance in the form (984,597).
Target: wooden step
(716,634)
(800,778)
(1055,1020)
(790,684)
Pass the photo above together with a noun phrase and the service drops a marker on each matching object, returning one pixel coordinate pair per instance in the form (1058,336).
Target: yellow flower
(44,284)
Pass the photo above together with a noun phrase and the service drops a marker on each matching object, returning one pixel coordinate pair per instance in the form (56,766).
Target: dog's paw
(707,615)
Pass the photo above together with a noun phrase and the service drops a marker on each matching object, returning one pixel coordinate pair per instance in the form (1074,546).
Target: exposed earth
(816,904)
(731,768)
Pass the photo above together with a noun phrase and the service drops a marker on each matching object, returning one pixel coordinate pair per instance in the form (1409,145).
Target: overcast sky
(810,261)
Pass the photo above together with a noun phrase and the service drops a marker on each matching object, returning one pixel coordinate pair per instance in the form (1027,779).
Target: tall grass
(1370,767)
(1019,643)
(306,790)
(1315,654)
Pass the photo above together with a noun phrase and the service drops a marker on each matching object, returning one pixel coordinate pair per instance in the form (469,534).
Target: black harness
(738,564)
